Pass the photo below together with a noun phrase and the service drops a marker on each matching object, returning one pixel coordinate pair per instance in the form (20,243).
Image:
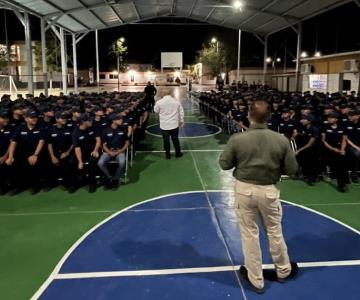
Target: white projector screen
(171,60)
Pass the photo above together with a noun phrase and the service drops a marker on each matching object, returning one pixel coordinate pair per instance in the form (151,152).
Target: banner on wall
(318,82)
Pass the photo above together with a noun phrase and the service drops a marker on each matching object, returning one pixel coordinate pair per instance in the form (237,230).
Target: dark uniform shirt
(114,138)
(85,139)
(60,139)
(306,133)
(27,139)
(287,127)
(334,136)
(353,132)
(273,123)
(5,137)
(101,125)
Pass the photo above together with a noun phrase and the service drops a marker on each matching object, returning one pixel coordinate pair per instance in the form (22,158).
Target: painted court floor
(171,233)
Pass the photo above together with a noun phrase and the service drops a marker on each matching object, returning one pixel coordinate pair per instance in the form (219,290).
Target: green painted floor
(36,231)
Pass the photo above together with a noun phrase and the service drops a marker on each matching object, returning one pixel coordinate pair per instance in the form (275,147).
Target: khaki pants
(254,203)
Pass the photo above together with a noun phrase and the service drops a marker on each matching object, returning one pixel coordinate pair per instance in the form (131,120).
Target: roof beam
(136,10)
(210,13)
(258,12)
(114,11)
(90,11)
(192,8)
(66,13)
(173,6)
(357,2)
(284,14)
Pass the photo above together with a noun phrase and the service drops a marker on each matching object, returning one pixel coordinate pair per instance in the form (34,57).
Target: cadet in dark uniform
(353,144)
(334,140)
(307,154)
(286,124)
(61,151)
(150,92)
(5,137)
(87,143)
(259,157)
(115,142)
(26,151)
(100,121)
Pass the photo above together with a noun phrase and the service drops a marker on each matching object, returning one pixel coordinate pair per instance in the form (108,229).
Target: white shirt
(170,111)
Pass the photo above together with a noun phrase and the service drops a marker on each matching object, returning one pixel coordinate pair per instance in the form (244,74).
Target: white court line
(56,270)
(320,264)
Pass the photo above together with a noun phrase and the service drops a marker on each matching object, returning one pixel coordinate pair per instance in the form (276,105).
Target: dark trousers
(174,134)
(354,161)
(88,174)
(308,160)
(27,175)
(338,167)
(66,169)
(6,175)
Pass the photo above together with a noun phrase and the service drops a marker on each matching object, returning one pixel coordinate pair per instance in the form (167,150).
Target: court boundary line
(197,270)
(188,137)
(58,266)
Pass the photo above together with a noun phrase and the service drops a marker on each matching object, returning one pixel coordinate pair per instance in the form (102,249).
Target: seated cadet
(100,121)
(287,124)
(115,142)
(60,150)
(334,140)
(25,150)
(5,136)
(353,144)
(307,153)
(87,144)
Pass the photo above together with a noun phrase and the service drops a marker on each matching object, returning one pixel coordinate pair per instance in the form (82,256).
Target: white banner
(318,81)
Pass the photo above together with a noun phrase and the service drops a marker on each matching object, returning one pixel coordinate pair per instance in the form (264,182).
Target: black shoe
(107,184)
(342,188)
(309,182)
(178,155)
(293,273)
(168,156)
(72,189)
(244,274)
(35,190)
(115,184)
(92,188)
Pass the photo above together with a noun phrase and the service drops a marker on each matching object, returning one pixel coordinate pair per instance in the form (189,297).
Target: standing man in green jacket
(259,157)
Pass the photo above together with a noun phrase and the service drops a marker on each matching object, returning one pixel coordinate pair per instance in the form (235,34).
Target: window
(102,76)
(113,76)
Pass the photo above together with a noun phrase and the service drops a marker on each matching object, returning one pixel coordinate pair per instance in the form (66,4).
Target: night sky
(334,31)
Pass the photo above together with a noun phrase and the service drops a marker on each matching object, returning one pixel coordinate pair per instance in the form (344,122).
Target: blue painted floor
(190,130)
(186,231)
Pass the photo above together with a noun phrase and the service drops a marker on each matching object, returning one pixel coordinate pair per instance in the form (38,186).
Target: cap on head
(61,115)
(115,117)
(309,117)
(334,115)
(4,114)
(85,118)
(31,114)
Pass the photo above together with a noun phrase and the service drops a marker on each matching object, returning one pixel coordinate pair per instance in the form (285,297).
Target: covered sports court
(171,232)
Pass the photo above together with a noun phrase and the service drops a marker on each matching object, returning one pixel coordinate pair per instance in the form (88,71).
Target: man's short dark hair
(260,111)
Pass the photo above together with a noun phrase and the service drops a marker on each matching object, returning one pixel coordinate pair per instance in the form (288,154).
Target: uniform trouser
(174,134)
(254,203)
(27,175)
(66,169)
(308,161)
(103,165)
(6,175)
(338,167)
(354,161)
(88,174)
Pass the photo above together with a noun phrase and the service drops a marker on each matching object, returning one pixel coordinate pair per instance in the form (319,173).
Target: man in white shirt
(171,115)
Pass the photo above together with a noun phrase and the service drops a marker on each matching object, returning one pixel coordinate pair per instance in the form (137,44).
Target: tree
(118,50)
(53,56)
(217,58)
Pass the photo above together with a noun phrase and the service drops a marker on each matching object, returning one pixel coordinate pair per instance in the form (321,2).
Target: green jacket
(259,156)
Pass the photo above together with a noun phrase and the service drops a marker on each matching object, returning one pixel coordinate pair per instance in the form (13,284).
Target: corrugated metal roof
(258,16)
